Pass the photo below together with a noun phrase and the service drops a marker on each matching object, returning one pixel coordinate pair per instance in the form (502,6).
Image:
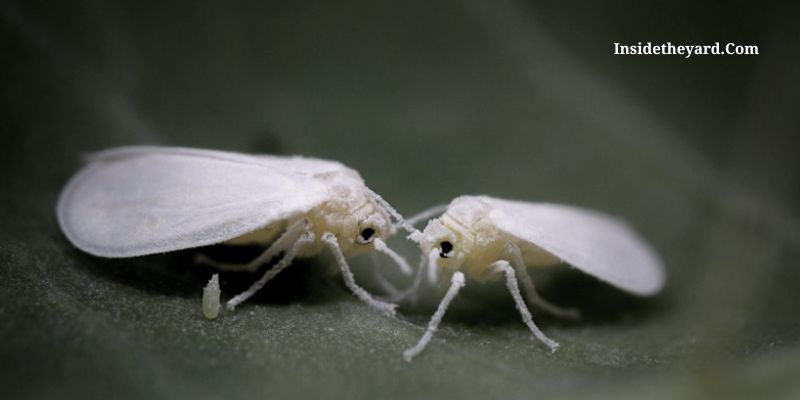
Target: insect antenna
(396,215)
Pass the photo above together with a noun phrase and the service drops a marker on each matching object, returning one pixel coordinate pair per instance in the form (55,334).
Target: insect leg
(457,282)
(530,290)
(433,267)
(279,245)
(330,240)
(388,287)
(511,283)
(305,238)
(381,246)
(411,292)
(414,289)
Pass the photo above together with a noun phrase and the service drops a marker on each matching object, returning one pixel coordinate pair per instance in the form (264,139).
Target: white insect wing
(597,244)
(143,200)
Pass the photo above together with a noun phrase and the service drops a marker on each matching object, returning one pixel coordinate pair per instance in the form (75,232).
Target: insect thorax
(346,217)
(483,243)
(477,241)
(480,244)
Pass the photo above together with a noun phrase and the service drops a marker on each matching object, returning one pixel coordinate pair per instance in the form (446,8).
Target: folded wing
(134,201)
(595,243)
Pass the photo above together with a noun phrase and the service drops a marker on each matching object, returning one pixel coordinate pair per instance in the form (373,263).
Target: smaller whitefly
(483,238)
(140,200)
(211,293)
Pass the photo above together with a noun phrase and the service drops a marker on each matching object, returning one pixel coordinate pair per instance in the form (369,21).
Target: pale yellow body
(350,220)
(345,217)
(477,243)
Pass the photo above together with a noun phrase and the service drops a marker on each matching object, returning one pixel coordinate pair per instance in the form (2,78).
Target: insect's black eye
(366,235)
(446,248)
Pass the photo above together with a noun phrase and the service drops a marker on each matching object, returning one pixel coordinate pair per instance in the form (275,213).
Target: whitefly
(141,200)
(484,238)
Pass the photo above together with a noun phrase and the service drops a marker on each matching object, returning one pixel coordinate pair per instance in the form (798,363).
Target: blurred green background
(428,101)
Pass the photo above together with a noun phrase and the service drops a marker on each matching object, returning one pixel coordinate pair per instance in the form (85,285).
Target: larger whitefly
(140,200)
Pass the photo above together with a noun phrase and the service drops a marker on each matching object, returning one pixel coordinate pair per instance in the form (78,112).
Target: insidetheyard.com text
(684,50)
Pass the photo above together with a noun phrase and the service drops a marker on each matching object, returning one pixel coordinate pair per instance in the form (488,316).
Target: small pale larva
(139,200)
(481,237)
(211,295)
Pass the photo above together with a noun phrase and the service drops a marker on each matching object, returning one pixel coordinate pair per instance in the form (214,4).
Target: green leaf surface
(428,102)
